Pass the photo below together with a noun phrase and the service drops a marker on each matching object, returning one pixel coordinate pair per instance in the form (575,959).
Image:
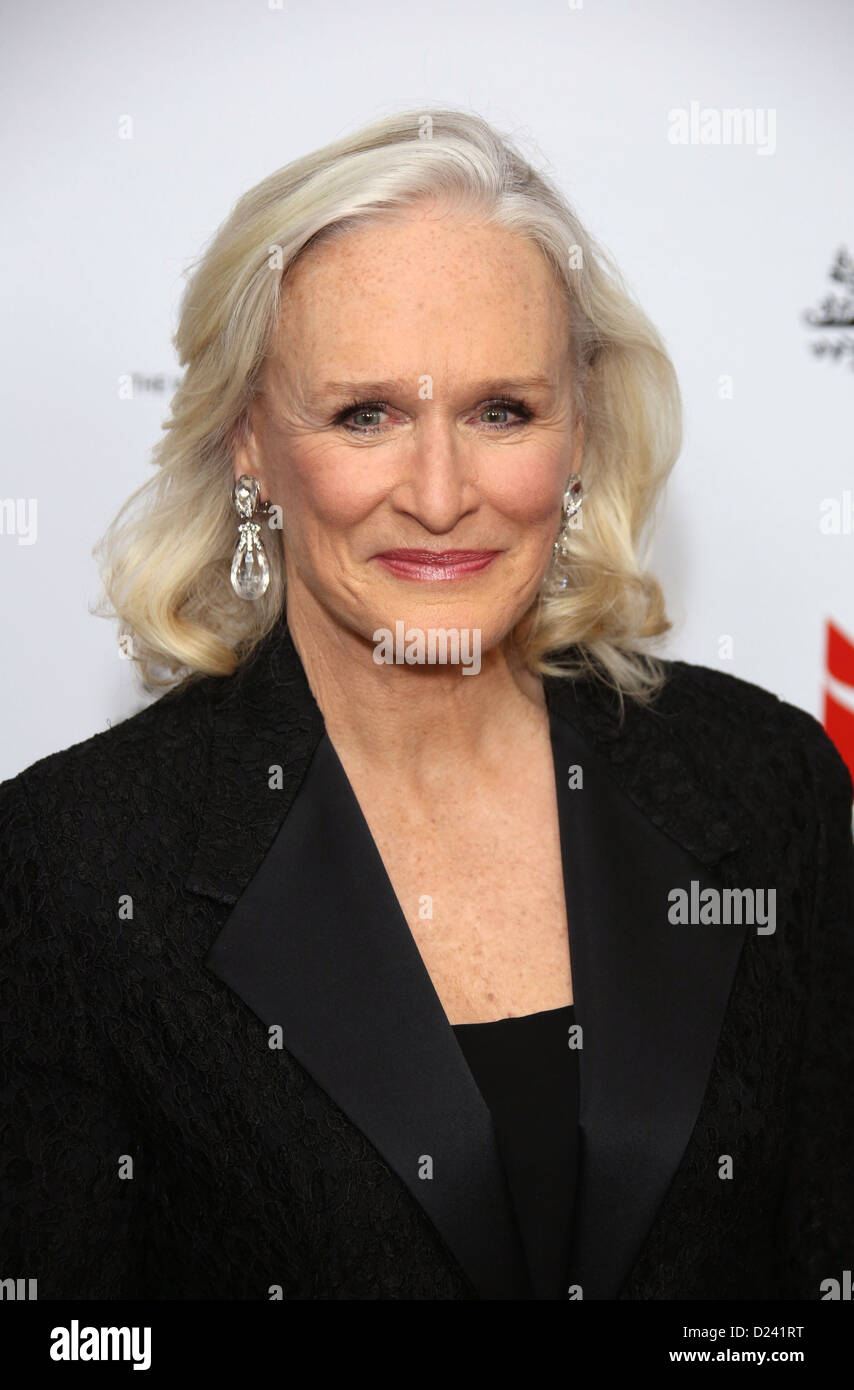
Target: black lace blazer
(226,1073)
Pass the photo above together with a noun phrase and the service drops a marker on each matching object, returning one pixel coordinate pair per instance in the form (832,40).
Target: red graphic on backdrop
(838,718)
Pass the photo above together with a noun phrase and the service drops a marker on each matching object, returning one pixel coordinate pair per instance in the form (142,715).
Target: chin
(435,636)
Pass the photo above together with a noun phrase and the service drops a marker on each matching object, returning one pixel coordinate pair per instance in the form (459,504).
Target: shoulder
(171,722)
(747,720)
(717,749)
(715,718)
(715,694)
(771,760)
(65,808)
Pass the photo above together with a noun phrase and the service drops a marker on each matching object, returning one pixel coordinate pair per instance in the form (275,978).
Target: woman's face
(452,339)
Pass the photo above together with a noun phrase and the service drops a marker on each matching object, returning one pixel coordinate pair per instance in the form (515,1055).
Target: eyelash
(502,403)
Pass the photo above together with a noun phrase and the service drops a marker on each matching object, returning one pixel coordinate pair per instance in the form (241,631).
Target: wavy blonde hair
(165,558)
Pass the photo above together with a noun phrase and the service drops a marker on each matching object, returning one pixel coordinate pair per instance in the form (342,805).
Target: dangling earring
(250,568)
(570,507)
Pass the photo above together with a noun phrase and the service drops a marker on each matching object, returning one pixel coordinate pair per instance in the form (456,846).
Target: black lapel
(650,995)
(317,944)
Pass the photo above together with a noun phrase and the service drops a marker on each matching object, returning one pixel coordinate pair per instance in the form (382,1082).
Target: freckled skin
(454,773)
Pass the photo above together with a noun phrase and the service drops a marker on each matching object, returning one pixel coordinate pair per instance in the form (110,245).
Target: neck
(400,716)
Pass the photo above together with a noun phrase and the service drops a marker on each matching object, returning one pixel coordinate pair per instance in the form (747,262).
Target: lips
(436,564)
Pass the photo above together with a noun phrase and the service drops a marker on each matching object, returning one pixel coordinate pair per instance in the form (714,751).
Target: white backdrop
(726,243)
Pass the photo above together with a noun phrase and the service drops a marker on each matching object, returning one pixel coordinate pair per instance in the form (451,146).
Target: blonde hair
(165,559)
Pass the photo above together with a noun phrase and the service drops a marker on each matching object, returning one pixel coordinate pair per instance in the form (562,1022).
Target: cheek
(318,491)
(530,489)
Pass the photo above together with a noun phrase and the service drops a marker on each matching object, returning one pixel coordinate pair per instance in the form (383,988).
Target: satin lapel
(650,997)
(317,944)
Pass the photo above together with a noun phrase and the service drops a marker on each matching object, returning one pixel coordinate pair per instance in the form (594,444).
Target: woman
(429,938)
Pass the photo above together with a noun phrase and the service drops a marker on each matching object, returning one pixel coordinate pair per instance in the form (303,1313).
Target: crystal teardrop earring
(250,568)
(570,507)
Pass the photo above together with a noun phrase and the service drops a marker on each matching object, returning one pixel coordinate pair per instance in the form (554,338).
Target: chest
(479,880)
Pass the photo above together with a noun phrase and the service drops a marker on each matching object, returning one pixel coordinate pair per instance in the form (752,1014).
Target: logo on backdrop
(836,312)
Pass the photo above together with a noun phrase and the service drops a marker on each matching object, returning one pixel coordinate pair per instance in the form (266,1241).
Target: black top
(527,1073)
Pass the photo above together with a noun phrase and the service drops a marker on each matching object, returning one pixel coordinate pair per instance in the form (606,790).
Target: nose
(438,489)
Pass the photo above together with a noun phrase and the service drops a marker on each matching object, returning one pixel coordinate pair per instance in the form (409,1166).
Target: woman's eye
(505,408)
(354,418)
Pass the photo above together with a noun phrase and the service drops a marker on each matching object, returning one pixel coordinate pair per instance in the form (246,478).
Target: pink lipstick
(436,564)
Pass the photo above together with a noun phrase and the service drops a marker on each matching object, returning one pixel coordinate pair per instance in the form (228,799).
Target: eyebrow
(491,386)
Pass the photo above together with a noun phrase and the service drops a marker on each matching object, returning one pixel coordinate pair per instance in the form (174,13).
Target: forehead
(428,290)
